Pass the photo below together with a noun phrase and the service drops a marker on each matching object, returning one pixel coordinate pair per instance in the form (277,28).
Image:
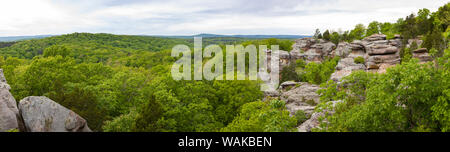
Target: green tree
(335,37)
(395,101)
(318,73)
(57,50)
(326,35)
(358,32)
(269,116)
(317,34)
(373,28)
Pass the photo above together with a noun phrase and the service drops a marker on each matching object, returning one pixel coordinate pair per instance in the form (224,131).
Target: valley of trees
(123,83)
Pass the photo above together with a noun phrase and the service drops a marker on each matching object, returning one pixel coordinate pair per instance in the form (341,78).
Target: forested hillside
(123,83)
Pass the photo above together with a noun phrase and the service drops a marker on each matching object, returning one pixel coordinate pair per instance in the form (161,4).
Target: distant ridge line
(20,38)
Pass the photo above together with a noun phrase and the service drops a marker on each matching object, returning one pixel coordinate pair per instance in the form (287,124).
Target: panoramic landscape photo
(225,66)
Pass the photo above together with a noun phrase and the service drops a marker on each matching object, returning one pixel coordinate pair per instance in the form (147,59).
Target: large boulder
(302,96)
(41,114)
(9,114)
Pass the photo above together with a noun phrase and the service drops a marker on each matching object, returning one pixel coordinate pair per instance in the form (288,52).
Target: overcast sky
(188,17)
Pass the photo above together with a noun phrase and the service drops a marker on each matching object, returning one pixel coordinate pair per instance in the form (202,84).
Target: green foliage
(300,116)
(149,115)
(373,28)
(300,63)
(57,50)
(259,116)
(335,38)
(434,40)
(318,73)
(83,102)
(405,98)
(285,45)
(123,123)
(358,32)
(289,74)
(13,130)
(317,34)
(359,60)
(92,46)
(405,54)
(122,83)
(326,35)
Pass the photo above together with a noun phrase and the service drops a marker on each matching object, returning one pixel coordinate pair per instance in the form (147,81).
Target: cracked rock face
(418,52)
(345,67)
(381,53)
(311,50)
(302,96)
(422,55)
(9,114)
(314,122)
(378,53)
(41,114)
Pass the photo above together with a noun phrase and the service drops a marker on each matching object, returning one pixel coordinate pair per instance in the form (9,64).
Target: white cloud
(173,17)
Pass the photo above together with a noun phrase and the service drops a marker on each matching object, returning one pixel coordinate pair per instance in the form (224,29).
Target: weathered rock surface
(349,51)
(381,53)
(40,114)
(313,121)
(422,55)
(302,96)
(342,50)
(345,67)
(378,53)
(311,50)
(375,37)
(9,114)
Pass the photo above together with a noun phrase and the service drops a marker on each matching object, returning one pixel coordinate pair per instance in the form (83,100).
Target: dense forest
(121,83)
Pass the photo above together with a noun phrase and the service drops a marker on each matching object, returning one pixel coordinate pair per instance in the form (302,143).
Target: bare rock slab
(41,114)
(9,113)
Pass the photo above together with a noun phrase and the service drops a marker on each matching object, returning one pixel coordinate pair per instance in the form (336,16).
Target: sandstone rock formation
(417,51)
(381,53)
(40,114)
(314,122)
(378,54)
(311,50)
(9,114)
(422,55)
(348,52)
(302,96)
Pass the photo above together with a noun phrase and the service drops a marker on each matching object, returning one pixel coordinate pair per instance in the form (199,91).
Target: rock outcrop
(311,50)
(422,55)
(301,96)
(381,53)
(378,54)
(417,51)
(9,114)
(313,121)
(40,114)
(348,52)
(36,114)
